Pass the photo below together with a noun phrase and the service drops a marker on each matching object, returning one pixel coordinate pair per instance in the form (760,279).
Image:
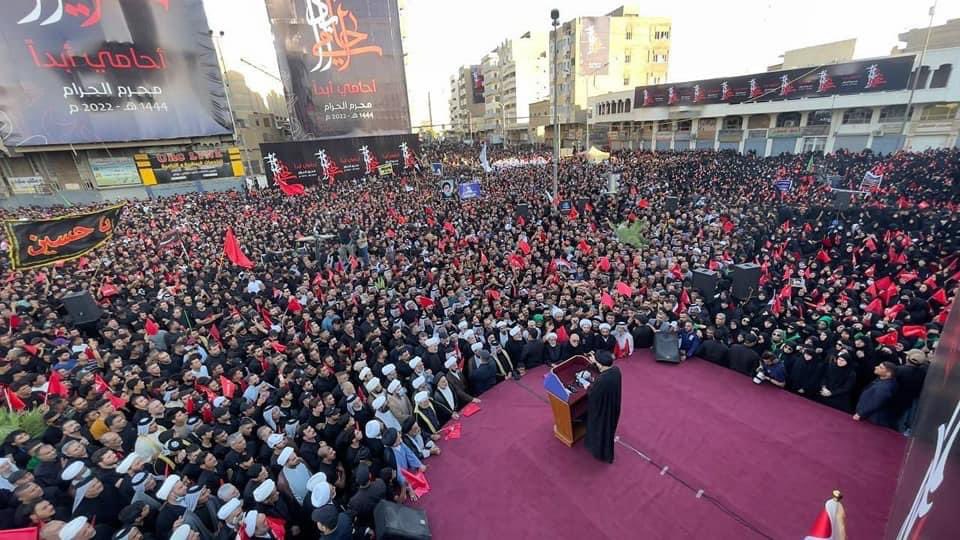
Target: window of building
(893,113)
(857,115)
(626,58)
(788,119)
(707,124)
(941,76)
(629,34)
(661,34)
(626,108)
(626,80)
(819,118)
(619,106)
(921,80)
(946,111)
(684,125)
(814,144)
(733,122)
(665,125)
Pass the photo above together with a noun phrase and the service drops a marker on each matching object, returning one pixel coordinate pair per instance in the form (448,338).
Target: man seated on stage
(603,407)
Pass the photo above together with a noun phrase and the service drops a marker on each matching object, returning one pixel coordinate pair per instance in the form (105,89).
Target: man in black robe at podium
(603,407)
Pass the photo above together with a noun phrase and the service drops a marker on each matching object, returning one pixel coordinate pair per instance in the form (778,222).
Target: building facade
(599,55)
(878,121)
(815,55)
(466,104)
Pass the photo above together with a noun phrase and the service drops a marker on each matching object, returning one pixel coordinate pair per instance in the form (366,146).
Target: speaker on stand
(746,280)
(666,347)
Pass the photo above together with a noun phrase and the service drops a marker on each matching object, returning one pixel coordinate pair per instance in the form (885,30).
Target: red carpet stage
(764,460)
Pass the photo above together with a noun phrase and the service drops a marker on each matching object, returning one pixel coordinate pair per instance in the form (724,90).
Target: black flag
(46,241)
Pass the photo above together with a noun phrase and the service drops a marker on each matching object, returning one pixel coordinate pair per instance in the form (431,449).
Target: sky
(711,38)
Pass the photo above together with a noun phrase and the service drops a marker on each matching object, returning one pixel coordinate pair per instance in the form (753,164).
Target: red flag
(290,189)
(265,315)
(417,482)
(493,294)
(643,203)
(890,338)
(448,226)
(117,401)
(215,333)
(520,221)
(573,214)
(777,307)
(870,244)
(100,384)
(278,347)
(483,259)
(823,257)
(876,307)
(606,300)
(914,330)
(603,263)
(892,311)
(870,271)
(232,249)
(32,349)
(470,409)
(624,289)
(55,385)
(13,400)
(424,302)
(584,247)
(940,297)
(228,387)
(826,523)
(524,247)
(786,291)
(683,302)
(942,317)
(451,432)
(883,283)
(931,282)
(889,293)
(293,305)
(28,533)
(151,327)
(14,321)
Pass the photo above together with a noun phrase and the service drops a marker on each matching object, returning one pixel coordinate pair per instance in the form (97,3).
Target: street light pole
(555,15)
(218,47)
(916,78)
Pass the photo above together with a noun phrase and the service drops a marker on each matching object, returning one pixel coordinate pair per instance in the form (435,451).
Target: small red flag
(520,221)
(524,247)
(55,385)
(215,333)
(584,247)
(876,307)
(228,387)
(151,327)
(28,533)
(883,283)
(606,300)
(603,263)
(231,247)
(291,189)
(573,214)
(624,289)
(293,305)
(823,257)
(13,401)
(890,338)
(940,297)
(417,482)
(643,203)
(265,315)
(424,302)
(483,259)
(914,330)
(470,409)
(100,384)
(451,432)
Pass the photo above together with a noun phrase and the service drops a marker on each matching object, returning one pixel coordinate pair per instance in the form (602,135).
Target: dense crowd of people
(216,401)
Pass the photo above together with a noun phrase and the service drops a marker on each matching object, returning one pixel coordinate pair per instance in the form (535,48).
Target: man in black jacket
(367,496)
(742,357)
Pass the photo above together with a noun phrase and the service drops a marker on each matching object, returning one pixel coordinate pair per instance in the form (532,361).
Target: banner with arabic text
(341,62)
(46,241)
(330,160)
(876,75)
(88,71)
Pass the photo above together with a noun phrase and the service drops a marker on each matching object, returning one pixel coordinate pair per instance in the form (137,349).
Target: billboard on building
(876,75)
(342,66)
(476,81)
(594,45)
(330,160)
(189,165)
(114,172)
(107,71)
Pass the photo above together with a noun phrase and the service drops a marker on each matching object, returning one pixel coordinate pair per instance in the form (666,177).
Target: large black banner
(342,66)
(875,75)
(928,493)
(83,71)
(46,241)
(329,160)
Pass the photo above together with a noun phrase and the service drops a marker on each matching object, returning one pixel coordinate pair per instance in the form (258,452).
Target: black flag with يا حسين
(33,244)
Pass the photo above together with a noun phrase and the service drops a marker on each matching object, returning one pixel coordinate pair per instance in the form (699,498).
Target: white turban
(264,490)
(515,331)
(421,397)
(365,372)
(284,456)
(72,528)
(419,381)
(450,363)
(250,522)
(372,429)
(414,362)
(372,384)
(393,386)
(476,347)
(432,342)
(380,401)
(389,369)
(228,508)
(167,487)
(585,323)
(274,440)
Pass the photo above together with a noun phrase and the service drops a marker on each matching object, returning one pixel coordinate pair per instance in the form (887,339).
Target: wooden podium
(567,399)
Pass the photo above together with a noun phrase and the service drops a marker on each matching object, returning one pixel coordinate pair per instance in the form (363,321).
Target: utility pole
(218,46)
(555,15)
(430,110)
(916,78)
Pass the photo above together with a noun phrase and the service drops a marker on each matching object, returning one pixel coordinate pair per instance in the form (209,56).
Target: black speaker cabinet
(705,281)
(395,522)
(841,200)
(746,279)
(81,307)
(666,347)
(523,210)
(671,203)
